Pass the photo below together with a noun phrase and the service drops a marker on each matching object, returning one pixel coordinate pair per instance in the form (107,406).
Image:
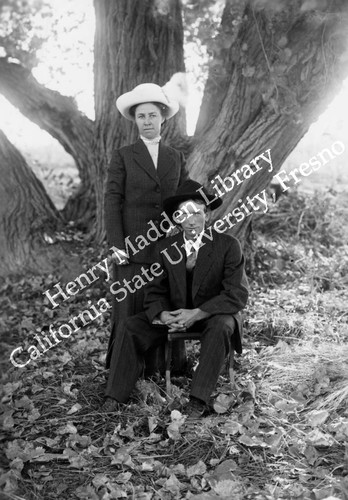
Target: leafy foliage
(201,23)
(22,33)
(56,37)
(302,237)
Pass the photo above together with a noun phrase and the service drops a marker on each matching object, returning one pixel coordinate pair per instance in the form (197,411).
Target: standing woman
(140,177)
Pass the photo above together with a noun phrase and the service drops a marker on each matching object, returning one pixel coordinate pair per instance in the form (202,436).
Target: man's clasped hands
(181,319)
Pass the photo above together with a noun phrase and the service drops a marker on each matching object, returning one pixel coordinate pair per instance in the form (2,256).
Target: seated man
(202,287)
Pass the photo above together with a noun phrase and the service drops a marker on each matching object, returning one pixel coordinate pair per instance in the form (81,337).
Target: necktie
(191,260)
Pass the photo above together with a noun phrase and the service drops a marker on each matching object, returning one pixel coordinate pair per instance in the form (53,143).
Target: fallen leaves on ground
(282,432)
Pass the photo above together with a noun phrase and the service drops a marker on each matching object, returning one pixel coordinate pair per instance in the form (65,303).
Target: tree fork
(59,116)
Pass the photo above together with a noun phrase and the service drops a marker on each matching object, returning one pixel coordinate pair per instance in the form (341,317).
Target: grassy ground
(281,433)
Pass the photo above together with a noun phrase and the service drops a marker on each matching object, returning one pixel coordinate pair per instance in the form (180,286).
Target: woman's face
(149,120)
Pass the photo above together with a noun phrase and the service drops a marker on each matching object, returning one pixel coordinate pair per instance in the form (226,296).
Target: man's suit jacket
(135,191)
(219,282)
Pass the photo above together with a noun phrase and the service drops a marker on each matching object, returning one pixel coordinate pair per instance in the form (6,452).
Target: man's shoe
(110,405)
(195,409)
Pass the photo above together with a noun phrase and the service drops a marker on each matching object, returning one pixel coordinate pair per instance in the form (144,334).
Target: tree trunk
(60,117)
(27,215)
(136,41)
(272,75)
(273,72)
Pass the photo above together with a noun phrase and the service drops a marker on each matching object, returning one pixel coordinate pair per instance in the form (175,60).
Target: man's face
(193,218)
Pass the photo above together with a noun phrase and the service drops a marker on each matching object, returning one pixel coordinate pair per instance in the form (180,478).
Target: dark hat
(190,190)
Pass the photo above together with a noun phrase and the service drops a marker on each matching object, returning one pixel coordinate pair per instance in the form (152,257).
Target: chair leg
(168,360)
(231,361)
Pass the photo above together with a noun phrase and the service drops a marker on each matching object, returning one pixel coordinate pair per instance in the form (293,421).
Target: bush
(303,237)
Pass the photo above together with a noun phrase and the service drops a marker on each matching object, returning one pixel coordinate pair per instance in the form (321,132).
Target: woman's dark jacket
(135,191)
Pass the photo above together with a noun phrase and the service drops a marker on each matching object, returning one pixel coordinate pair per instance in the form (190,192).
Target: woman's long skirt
(130,305)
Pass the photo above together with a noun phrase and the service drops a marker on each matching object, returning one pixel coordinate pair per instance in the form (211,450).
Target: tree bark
(273,74)
(27,215)
(59,116)
(136,41)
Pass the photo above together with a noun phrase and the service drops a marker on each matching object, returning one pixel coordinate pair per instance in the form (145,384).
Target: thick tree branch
(265,90)
(284,59)
(51,111)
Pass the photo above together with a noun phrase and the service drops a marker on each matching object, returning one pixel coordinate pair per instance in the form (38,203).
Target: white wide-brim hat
(145,92)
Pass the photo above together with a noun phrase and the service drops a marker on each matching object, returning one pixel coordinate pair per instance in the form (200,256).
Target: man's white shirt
(195,244)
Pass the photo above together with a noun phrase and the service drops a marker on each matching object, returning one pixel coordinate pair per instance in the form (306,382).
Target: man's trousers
(139,336)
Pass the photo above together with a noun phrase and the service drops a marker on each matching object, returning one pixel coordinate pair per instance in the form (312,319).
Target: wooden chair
(190,336)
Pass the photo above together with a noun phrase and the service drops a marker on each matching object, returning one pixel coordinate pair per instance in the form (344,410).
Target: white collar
(195,244)
(155,140)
